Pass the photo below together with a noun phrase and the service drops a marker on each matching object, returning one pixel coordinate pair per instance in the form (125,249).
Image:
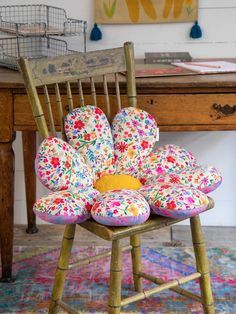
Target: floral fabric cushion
(134,132)
(120,208)
(174,201)
(66,207)
(89,132)
(59,167)
(166,159)
(203,178)
(173,183)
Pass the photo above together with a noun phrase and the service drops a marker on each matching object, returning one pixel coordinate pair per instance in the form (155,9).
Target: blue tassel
(96,33)
(196,31)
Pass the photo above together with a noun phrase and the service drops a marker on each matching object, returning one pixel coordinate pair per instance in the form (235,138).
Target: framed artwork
(145,11)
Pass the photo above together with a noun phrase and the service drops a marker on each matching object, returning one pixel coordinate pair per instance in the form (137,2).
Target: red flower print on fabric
(79,124)
(122,147)
(144,144)
(55,161)
(171,205)
(174,179)
(58,201)
(87,137)
(98,111)
(67,164)
(170,159)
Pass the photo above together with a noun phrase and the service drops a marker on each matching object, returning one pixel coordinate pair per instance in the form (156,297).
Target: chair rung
(177,289)
(164,286)
(86,261)
(66,307)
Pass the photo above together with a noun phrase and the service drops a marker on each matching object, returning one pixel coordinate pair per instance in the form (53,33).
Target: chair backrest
(56,85)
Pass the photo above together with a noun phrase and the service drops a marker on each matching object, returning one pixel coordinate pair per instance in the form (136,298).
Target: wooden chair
(64,78)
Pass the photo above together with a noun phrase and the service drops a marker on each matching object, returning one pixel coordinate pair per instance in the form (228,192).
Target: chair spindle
(60,109)
(106,98)
(81,94)
(93,91)
(49,109)
(69,97)
(117,92)
(130,75)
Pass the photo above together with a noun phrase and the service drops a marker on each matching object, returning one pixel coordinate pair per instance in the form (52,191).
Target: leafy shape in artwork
(109,8)
(134,8)
(149,8)
(178,7)
(189,8)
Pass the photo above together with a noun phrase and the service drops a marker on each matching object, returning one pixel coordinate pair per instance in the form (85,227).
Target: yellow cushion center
(117,181)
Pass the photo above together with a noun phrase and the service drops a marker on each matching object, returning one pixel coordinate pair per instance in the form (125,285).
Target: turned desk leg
(29,152)
(7,169)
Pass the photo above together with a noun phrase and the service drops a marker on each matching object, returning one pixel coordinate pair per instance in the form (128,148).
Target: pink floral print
(88,131)
(66,207)
(134,132)
(174,201)
(120,207)
(165,159)
(203,178)
(60,167)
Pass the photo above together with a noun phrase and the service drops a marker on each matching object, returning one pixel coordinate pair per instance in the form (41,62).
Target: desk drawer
(190,109)
(171,111)
(23,114)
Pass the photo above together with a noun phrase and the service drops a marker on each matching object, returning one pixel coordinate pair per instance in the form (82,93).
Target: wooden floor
(51,235)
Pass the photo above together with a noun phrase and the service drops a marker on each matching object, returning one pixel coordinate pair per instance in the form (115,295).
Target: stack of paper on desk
(149,70)
(205,67)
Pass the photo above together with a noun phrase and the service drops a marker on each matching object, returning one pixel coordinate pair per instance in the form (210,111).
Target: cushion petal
(120,208)
(166,159)
(203,178)
(66,207)
(174,201)
(89,132)
(134,133)
(60,167)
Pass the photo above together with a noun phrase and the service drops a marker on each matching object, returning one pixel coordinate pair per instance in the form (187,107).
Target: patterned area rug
(87,288)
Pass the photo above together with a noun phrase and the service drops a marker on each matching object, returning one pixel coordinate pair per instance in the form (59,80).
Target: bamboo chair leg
(202,265)
(62,268)
(115,278)
(136,261)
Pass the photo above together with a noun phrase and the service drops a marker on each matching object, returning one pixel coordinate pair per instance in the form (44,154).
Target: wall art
(145,11)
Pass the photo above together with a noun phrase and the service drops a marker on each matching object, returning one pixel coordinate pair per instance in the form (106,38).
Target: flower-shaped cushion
(88,131)
(60,167)
(203,178)
(120,208)
(166,159)
(134,132)
(174,201)
(119,170)
(66,207)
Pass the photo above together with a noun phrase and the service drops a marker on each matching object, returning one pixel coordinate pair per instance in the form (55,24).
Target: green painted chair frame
(64,76)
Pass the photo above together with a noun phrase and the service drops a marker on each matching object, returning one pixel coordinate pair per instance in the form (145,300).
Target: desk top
(13,80)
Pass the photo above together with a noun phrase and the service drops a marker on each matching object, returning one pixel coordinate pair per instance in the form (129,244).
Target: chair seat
(114,233)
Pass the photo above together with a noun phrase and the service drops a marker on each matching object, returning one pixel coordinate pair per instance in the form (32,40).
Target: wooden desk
(180,103)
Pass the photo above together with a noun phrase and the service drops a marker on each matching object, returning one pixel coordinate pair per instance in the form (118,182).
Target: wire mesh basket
(31,47)
(38,19)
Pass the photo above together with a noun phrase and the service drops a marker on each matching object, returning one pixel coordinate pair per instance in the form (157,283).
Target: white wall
(218,21)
